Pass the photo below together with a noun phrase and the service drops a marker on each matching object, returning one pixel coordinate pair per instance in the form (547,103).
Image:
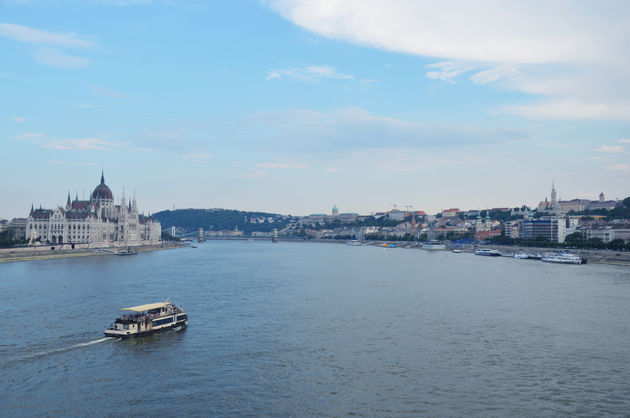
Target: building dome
(102,191)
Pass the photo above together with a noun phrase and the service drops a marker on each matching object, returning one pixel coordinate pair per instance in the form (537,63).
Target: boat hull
(121,334)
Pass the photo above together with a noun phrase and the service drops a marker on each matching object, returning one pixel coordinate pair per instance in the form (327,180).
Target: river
(295,329)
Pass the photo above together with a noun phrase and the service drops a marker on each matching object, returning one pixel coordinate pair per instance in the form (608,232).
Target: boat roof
(147,307)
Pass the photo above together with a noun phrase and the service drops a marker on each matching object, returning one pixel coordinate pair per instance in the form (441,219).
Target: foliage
(219,220)
(168,237)
(7,240)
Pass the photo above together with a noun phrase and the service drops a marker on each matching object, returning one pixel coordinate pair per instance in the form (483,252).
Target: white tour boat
(433,245)
(488,253)
(147,319)
(521,255)
(563,258)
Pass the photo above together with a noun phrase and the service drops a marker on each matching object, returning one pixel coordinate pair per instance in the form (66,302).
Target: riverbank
(47,252)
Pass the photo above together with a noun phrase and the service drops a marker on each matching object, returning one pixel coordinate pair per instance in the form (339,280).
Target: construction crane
(395,205)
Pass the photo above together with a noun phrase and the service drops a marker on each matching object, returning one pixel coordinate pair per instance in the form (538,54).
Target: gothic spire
(102,176)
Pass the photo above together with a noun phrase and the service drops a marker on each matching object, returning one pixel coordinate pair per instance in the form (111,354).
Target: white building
(97,222)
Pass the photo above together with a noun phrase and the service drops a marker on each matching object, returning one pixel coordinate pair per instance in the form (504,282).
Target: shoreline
(13,255)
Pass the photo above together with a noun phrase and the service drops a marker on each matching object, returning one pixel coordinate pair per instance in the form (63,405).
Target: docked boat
(127,251)
(457,251)
(521,255)
(488,253)
(147,319)
(563,258)
(354,242)
(433,245)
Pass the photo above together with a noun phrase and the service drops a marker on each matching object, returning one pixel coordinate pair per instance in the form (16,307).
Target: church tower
(554,201)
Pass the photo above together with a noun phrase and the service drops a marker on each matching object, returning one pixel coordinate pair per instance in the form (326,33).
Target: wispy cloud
(113,94)
(31,135)
(624,141)
(54,58)
(618,167)
(18,119)
(73,163)
(311,73)
(447,71)
(573,56)
(609,149)
(197,157)
(356,128)
(82,144)
(252,174)
(281,165)
(36,36)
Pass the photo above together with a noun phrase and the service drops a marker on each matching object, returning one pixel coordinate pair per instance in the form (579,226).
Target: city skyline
(293,106)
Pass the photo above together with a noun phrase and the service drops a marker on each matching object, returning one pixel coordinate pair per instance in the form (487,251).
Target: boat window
(126,326)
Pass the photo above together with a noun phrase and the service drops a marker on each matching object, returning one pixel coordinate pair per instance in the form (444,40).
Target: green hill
(191,220)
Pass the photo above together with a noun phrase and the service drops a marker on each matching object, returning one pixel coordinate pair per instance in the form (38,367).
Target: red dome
(102,191)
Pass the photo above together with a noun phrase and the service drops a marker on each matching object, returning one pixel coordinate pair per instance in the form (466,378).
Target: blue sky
(294,106)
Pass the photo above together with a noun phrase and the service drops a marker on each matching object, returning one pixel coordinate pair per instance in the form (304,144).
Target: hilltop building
(97,222)
(557,207)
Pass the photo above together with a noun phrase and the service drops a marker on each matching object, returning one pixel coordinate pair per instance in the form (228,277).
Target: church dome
(102,191)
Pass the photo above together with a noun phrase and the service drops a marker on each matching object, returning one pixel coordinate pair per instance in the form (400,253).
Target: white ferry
(147,319)
(488,253)
(521,255)
(563,258)
(433,245)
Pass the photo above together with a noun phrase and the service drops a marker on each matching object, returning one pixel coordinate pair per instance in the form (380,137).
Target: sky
(293,106)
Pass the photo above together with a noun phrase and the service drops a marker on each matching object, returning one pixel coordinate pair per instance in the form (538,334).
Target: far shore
(618,258)
(48,252)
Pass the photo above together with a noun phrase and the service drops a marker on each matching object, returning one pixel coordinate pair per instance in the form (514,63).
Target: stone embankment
(46,252)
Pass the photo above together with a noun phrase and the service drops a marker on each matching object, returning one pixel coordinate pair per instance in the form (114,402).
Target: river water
(296,329)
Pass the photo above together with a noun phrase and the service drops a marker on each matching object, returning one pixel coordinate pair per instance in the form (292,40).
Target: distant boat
(456,251)
(488,253)
(433,245)
(521,255)
(354,242)
(128,251)
(563,258)
(387,245)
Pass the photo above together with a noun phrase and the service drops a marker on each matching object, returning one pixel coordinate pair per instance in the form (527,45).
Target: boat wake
(62,349)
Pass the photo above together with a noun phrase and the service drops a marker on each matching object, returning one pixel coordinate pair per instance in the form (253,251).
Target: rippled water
(306,328)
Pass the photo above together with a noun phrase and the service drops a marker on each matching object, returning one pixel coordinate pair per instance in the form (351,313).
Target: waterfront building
(18,227)
(553,229)
(511,229)
(4,224)
(96,222)
(450,213)
(607,234)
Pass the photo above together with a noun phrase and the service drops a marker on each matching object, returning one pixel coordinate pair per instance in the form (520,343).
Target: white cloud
(54,58)
(495,73)
(255,174)
(33,135)
(624,141)
(81,144)
(355,128)
(575,54)
(369,80)
(36,36)
(332,170)
(618,167)
(311,73)
(281,165)
(609,149)
(73,163)
(101,91)
(18,119)
(448,70)
(570,109)
(197,157)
